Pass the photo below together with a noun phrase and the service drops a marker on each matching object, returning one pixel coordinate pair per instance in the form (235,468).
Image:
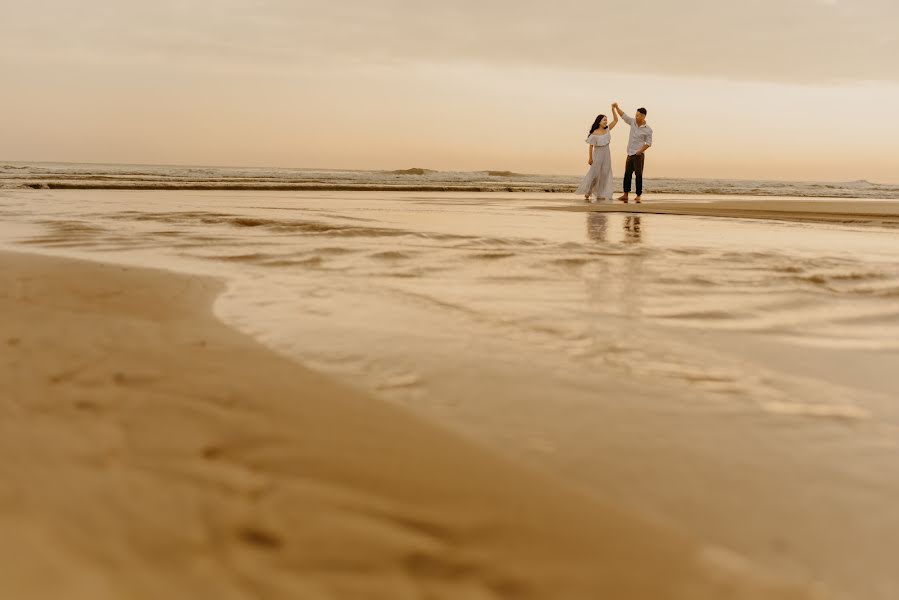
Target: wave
(288,187)
(415,179)
(413,171)
(879,193)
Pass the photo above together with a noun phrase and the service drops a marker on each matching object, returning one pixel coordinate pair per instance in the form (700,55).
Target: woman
(598,181)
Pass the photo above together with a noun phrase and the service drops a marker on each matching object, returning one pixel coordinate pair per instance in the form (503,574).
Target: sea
(14,175)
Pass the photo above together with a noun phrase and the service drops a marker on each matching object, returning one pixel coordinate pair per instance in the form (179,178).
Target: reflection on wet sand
(597,227)
(633,230)
(616,282)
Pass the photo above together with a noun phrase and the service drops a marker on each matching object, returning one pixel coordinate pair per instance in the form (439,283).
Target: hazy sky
(784,89)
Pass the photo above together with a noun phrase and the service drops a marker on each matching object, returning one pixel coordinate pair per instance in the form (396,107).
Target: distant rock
(413,171)
(503,174)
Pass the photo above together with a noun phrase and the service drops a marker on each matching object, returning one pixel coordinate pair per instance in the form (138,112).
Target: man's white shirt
(640,135)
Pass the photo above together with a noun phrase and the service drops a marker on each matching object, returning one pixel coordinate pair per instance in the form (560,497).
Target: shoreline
(194,462)
(300,187)
(696,203)
(844,211)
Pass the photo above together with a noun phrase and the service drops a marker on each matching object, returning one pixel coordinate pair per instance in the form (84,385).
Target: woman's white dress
(598,181)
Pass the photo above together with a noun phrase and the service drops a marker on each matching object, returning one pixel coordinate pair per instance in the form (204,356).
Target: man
(639,142)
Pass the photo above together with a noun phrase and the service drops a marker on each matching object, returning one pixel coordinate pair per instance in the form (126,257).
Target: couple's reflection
(614,281)
(598,228)
(633,230)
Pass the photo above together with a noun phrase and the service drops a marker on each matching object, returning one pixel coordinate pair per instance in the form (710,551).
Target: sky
(773,89)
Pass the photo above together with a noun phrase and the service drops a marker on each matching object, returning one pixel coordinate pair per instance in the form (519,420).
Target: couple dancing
(598,181)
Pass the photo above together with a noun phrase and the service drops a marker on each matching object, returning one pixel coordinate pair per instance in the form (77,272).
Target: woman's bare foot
(586,198)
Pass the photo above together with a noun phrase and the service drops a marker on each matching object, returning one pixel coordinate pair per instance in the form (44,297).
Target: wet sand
(828,211)
(148,451)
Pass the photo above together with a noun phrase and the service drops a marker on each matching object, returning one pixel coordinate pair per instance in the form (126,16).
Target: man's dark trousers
(634,166)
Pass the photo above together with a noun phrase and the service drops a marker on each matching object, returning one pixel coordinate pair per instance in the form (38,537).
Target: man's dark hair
(642,111)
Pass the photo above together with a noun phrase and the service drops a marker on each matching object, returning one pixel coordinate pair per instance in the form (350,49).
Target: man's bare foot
(623,198)
(637,200)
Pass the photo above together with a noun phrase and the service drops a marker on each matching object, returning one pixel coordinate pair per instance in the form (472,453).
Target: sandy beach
(361,394)
(148,451)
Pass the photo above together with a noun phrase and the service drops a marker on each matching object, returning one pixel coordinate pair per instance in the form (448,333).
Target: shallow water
(687,344)
(424,278)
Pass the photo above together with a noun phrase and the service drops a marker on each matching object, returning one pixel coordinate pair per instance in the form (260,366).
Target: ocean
(159,177)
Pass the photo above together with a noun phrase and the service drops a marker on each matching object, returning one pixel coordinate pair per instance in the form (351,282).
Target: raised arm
(615,120)
(627,119)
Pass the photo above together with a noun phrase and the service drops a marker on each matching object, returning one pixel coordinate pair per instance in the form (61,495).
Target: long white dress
(598,181)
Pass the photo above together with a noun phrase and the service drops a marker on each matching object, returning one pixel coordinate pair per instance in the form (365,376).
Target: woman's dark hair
(596,123)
